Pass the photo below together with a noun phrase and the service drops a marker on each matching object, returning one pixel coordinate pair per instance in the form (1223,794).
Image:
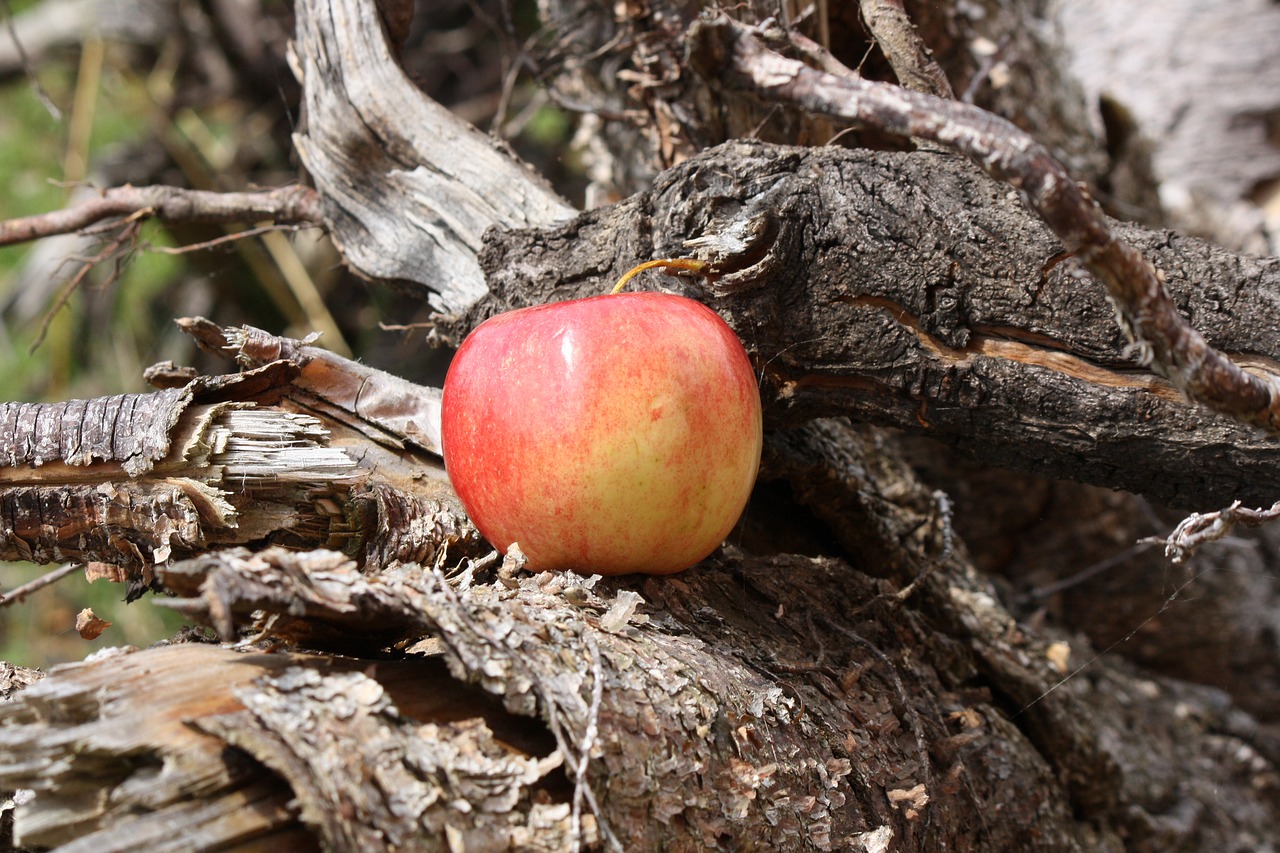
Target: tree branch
(1200,528)
(294,205)
(408,187)
(907,53)
(910,290)
(1161,337)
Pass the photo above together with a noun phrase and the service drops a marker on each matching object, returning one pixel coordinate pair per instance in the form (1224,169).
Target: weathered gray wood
(1200,91)
(409,188)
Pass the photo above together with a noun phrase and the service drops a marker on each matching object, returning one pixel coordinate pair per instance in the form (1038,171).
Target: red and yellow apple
(613,434)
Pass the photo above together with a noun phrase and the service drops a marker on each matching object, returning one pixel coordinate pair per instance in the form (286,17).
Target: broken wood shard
(397,409)
(408,188)
(264,444)
(302,447)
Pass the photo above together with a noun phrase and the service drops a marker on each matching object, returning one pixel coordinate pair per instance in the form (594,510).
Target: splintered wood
(153,728)
(302,448)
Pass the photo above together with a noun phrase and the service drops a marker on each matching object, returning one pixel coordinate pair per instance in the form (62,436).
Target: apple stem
(688,264)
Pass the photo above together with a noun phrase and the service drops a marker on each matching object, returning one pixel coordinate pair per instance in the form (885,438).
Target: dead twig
(1199,528)
(47,579)
(1104,565)
(295,205)
(217,241)
(128,234)
(28,67)
(1160,336)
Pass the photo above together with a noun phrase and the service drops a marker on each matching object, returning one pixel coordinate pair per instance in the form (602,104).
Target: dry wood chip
(89,625)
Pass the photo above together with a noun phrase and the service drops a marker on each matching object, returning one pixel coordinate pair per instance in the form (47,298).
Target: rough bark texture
(908,289)
(908,55)
(735,55)
(625,68)
(303,448)
(784,702)
(843,675)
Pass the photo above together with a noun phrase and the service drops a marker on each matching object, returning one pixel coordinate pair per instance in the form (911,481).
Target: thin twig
(47,579)
(127,234)
(821,56)
(1198,528)
(1088,572)
(217,241)
(984,71)
(28,67)
(294,205)
(1160,336)
(580,784)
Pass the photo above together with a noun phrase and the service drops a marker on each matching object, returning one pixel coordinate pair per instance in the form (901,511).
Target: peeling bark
(625,68)
(304,448)
(786,701)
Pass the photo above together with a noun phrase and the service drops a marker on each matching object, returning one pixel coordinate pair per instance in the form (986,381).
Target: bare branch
(128,234)
(907,53)
(1198,528)
(1159,334)
(47,579)
(284,205)
(217,241)
(27,65)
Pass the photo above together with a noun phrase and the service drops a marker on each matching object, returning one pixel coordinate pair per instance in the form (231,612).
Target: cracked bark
(303,448)
(909,290)
(866,688)
(786,701)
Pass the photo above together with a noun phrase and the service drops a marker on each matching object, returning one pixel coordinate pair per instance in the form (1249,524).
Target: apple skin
(612,434)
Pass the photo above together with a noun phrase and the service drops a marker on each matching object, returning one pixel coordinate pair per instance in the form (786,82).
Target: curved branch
(294,205)
(1159,334)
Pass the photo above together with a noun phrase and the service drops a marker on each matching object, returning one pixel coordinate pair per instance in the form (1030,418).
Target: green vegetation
(40,630)
(98,344)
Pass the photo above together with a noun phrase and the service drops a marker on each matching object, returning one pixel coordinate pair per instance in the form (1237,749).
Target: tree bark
(303,448)
(911,291)
(842,675)
(782,701)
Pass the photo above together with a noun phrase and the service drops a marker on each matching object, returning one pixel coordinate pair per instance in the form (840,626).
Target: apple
(613,434)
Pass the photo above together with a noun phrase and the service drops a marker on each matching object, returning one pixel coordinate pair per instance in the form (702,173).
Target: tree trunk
(894,651)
